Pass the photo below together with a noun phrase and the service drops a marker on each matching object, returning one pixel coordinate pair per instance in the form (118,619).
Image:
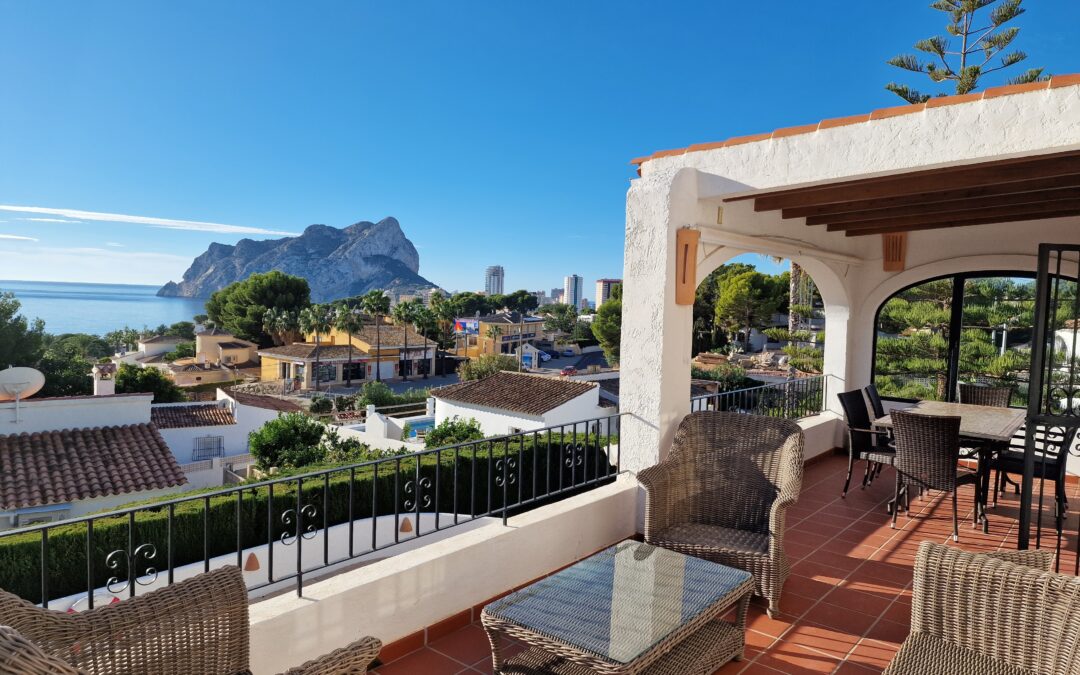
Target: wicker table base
(703,652)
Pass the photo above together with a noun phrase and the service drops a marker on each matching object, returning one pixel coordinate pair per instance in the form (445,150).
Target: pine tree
(980,42)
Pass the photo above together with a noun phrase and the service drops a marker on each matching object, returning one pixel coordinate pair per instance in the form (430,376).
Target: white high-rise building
(572,287)
(493,280)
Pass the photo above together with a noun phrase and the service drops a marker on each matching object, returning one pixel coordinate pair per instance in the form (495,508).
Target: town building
(494,279)
(219,356)
(149,351)
(509,402)
(603,289)
(386,353)
(573,286)
(510,330)
(556,295)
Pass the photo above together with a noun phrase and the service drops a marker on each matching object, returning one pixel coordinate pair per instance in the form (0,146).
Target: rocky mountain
(336,262)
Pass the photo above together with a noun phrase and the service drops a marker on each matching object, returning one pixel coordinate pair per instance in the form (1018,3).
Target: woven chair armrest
(353,658)
(1042,560)
(19,656)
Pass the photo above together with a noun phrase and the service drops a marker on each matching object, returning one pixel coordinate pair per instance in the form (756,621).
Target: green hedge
(479,491)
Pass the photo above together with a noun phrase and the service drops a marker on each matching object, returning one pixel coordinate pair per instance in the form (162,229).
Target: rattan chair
(927,452)
(978,613)
(864,442)
(723,491)
(199,625)
(978,394)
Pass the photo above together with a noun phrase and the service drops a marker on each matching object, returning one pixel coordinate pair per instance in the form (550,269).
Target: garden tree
(21,340)
(521,301)
(560,317)
(282,325)
(376,304)
(348,320)
(83,345)
(453,430)
(402,315)
(423,320)
(471,304)
(316,320)
(982,37)
(496,303)
(484,365)
(67,361)
(582,334)
(746,300)
(180,329)
(239,307)
(607,325)
(290,440)
(183,350)
(123,339)
(200,318)
(445,312)
(132,379)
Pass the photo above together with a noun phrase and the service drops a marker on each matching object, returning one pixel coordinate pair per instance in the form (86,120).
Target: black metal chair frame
(864,442)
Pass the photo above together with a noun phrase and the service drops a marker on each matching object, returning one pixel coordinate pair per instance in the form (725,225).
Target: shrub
(321,404)
(453,430)
(484,365)
(132,379)
(727,375)
(291,440)
(777,334)
(406,431)
(345,403)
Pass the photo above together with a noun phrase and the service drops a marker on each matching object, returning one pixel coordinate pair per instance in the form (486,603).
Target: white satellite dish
(17,383)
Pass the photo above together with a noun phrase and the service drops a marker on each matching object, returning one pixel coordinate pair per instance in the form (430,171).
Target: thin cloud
(166,223)
(16,237)
(114,244)
(50,220)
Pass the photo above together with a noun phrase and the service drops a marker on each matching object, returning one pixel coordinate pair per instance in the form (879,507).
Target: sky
(133,134)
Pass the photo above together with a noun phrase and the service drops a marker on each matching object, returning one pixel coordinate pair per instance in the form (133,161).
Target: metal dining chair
(875,400)
(864,442)
(927,451)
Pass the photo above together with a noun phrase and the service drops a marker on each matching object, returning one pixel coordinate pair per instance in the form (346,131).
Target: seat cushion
(711,536)
(924,654)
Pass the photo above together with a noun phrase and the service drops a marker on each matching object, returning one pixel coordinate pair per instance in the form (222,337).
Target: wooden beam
(956,205)
(914,182)
(958,223)
(1017,187)
(1017,212)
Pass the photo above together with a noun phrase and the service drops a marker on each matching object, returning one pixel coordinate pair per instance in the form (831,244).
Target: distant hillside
(336,262)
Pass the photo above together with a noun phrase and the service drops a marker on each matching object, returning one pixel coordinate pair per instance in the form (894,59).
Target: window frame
(956,315)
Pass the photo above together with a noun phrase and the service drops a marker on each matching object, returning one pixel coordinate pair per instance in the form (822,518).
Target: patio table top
(976,421)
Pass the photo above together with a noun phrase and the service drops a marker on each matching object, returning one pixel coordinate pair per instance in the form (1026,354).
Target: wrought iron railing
(349,510)
(790,399)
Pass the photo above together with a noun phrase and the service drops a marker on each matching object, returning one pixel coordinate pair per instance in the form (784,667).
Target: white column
(656,333)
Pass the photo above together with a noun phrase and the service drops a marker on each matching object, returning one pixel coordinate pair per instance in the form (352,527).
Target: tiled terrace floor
(847,604)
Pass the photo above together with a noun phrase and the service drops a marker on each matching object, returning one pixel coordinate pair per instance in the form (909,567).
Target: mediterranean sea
(98,308)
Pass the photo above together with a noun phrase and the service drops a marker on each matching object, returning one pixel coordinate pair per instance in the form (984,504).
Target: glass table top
(622,601)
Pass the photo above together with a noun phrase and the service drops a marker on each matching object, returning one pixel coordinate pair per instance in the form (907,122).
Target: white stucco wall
(688,189)
(498,422)
(52,414)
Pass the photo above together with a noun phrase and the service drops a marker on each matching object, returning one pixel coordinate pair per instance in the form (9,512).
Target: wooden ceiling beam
(957,205)
(915,182)
(1017,187)
(1018,212)
(958,223)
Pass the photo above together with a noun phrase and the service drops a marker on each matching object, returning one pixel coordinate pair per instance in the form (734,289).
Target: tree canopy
(746,299)
(607,325)
(132,379)
(239,307)
(22,340)
(983,37)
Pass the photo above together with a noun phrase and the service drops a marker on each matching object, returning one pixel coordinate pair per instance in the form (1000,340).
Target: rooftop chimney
(104,375)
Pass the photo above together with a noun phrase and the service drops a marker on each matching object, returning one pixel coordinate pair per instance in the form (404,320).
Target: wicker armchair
(977,394)
(199,625)
(977,613)
(723,491)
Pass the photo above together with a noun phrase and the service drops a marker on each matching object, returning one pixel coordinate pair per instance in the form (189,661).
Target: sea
(98,308)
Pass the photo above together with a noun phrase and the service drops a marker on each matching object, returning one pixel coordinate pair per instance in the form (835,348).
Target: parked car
(568,352)
(544,356)
(551,352)
(569,370)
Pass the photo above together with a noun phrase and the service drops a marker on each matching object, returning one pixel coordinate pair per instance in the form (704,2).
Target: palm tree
(493,333)
(316,319)
(375,303)
(347,320)
(425,322)
(403,316)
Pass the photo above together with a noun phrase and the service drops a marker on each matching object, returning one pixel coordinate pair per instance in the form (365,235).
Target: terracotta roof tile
(883,113)
(55,467)
(390,336)
(308,352)
(181,416)
(517,392)
(264,402)
(162,339)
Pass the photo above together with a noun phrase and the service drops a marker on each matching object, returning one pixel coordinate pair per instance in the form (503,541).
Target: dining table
(989,429)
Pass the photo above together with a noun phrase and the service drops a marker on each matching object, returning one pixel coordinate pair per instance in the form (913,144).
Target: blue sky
(497,133)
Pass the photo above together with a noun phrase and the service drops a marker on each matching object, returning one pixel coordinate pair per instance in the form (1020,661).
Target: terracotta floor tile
(821,638)
(850,668)
(797,660)
(468,645)
(840,618)
(872,654)
(858,601)
(889,631)
(760,621)
(423,661)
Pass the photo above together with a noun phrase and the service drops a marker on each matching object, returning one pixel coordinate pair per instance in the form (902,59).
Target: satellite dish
(18,383)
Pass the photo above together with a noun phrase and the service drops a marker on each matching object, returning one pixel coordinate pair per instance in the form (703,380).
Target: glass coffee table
(627,609)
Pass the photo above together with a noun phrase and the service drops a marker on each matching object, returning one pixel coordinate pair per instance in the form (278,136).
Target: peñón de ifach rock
(337,263)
